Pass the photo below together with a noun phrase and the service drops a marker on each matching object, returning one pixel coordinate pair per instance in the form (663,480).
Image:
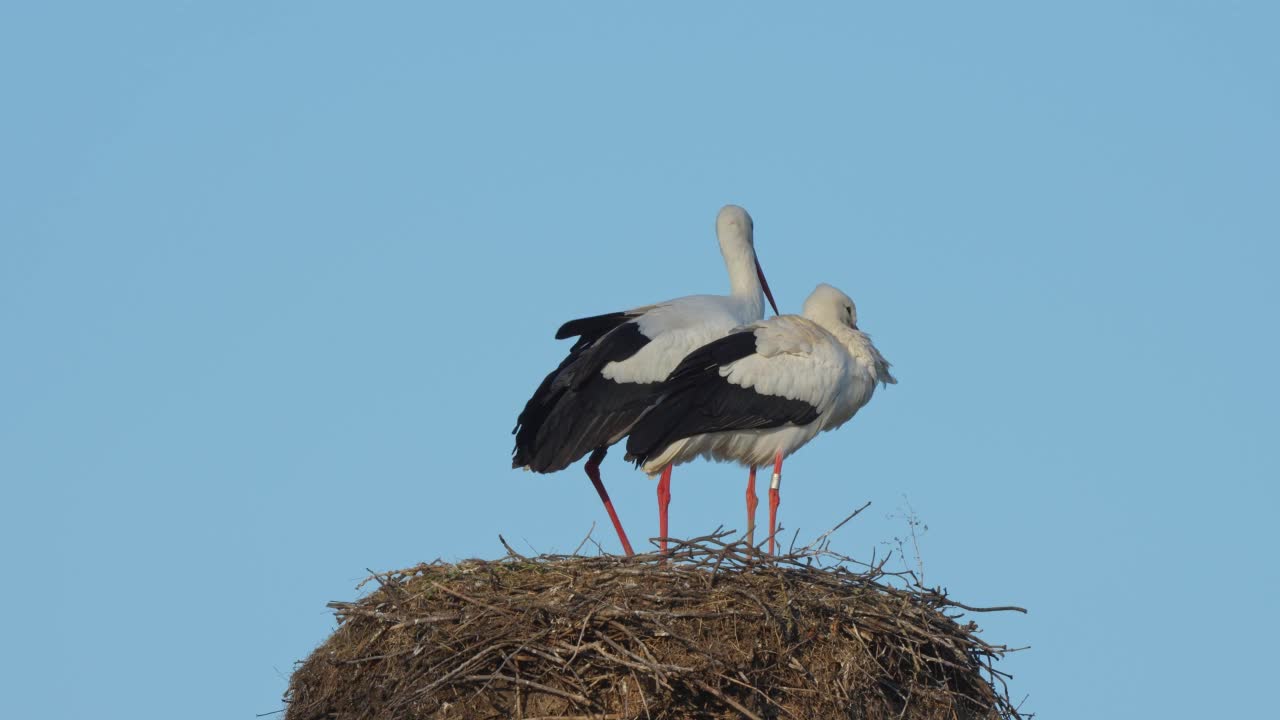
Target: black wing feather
(576,409)
(589,329)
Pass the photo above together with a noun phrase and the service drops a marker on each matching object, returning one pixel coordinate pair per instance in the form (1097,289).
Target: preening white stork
(606,383)
(761,393)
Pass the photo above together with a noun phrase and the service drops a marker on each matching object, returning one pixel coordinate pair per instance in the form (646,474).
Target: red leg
(664,499)
(752,502)
(593,471)
(774,499)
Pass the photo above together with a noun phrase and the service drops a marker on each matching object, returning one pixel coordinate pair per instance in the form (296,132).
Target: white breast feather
(864,361)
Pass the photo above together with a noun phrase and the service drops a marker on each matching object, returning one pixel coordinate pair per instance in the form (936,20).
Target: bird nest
(713,630)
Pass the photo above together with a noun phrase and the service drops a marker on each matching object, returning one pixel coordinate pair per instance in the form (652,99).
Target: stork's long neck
(744,280)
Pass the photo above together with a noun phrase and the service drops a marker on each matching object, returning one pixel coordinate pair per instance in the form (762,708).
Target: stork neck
(744,282)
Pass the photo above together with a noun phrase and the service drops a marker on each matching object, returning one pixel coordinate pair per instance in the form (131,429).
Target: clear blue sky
(275,279)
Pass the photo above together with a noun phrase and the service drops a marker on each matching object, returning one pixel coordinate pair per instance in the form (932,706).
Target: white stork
(607,381)
(761,393)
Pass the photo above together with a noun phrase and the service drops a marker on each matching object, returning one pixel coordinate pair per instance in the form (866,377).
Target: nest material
(715,630)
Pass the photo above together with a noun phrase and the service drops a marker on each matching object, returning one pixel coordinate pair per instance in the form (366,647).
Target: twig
(533,685)
(585,539)
(998,608)
(471,600)
(610,716)
(727,700)
(818,542)
(510,550)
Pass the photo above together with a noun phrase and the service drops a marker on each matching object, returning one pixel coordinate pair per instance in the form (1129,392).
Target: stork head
(735,220)
(831,308)
(736,232)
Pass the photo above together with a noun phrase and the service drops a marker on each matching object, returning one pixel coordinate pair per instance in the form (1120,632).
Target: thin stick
(998,608)
(536,686)
(585,539)
(728,700)
(827,534)
(510,550)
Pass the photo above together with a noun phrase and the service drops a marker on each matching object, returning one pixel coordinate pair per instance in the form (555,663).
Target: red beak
(765,284)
